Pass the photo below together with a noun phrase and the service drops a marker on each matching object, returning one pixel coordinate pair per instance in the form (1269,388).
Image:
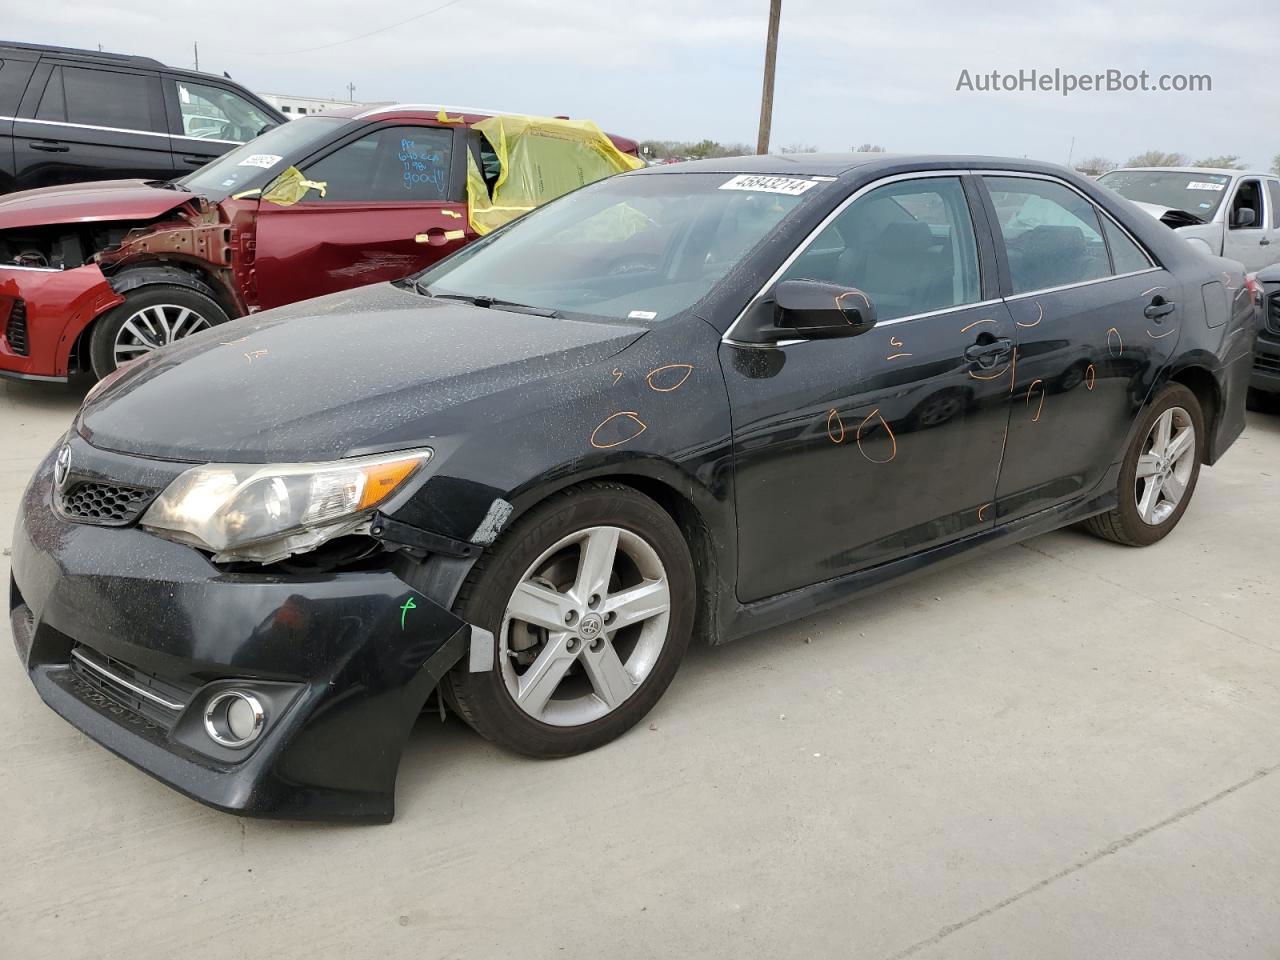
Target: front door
(1095,319)
(392,205)
(1248,241)
(208,119)
(855,451)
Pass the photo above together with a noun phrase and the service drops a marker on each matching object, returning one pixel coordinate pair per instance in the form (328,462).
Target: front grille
(1266,364)
(15,330)
(124,686)
(108,504)
(1273,312)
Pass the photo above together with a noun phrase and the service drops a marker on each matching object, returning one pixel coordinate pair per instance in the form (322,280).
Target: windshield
(252,164)
(632,247)
(1198,193)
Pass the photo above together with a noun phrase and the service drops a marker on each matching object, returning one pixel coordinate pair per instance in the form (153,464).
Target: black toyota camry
(678,405)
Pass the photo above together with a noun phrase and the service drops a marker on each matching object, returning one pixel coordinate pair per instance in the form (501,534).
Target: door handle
(50,146)
(1158,309)
(195,161)
(986,354)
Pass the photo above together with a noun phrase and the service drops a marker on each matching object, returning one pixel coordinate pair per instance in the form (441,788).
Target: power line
(392,26)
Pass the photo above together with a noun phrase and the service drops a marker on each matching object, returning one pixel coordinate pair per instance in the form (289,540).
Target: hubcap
(152,327)
(584,626)
(1165,466)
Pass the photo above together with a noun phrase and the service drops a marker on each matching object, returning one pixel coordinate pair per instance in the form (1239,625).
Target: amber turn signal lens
(381,480)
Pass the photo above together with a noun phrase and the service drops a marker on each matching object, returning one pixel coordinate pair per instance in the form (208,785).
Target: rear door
(1095,318)
(393,203)
(208,118)
(83,122)
(14,75)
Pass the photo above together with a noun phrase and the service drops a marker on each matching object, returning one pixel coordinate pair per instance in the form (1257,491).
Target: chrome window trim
(393,107)
(128,685)
(1082,283)
(1087,199)
(87,126)
(804,245)
(879,324)
(141,133)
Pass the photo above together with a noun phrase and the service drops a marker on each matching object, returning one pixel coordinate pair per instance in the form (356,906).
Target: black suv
(1266,362)
(72,115)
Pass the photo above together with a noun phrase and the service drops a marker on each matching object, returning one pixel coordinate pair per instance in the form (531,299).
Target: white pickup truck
(1233,213)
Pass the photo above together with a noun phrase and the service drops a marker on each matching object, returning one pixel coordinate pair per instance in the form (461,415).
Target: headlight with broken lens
(267,512)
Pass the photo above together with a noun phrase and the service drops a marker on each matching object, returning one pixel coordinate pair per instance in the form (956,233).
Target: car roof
(1223,171)
(840,164)
(101,56)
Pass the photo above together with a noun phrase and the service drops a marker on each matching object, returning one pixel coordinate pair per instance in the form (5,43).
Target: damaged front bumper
(43,312)
(130,637)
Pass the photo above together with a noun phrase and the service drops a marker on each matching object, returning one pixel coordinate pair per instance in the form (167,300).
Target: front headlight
(267,512)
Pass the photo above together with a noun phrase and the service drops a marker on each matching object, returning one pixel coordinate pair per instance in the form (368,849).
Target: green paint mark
(408,605)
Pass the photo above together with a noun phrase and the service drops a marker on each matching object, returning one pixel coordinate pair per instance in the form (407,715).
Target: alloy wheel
(1165,466)
(152,327)
(584,626)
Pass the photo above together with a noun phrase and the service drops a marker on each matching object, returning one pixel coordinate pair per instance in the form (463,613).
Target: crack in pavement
(1114,847)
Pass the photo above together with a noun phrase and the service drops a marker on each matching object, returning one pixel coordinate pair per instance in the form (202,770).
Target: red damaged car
(94,275)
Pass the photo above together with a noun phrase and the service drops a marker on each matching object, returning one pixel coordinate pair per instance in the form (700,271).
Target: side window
(1248,197)
(392,164)
(212,113)
(1126,256)
(104,98)
(1273,188)
(1051,234)
(53,103)
(909,246)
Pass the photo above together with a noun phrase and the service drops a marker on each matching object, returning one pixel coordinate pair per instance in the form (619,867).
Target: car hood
(88,202)
(353,372)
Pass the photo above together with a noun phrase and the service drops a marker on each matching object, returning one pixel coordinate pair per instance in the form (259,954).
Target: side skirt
(745,619)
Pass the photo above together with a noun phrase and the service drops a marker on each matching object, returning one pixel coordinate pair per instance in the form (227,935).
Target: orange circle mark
(833,421)
(666,378)
(631,423)
(1030,390)
(875,414)
(1119,340)
(1090,377)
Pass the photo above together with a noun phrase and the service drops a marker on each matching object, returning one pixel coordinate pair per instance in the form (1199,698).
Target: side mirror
(1245,217)
(811,310)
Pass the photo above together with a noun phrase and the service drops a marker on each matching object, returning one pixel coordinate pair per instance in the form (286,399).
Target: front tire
(150,317)
(590,598)
(1159,473)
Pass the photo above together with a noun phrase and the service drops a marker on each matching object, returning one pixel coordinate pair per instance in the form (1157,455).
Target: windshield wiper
(490,302)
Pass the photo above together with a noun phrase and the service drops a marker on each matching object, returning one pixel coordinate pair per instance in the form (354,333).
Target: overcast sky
(876,70)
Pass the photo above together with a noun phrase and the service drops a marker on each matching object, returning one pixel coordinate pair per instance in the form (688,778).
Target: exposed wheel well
(145,273)
(1200,382)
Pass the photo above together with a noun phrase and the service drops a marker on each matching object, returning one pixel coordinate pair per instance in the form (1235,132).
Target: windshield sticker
(264,160)
(791,186)
(642,315)
(1202,185)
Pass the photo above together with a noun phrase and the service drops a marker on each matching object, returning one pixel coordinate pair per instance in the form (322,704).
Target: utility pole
(1072,152)
(770,60)
(196,47)
(351,92)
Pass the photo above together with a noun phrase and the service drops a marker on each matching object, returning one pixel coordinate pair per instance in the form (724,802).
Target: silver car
(1233,213)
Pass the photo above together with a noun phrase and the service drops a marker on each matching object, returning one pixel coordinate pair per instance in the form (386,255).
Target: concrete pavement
(1066,749)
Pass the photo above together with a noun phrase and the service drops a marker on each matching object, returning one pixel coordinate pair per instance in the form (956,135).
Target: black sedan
(693,401)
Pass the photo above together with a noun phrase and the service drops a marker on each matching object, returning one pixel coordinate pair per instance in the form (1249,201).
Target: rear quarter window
(14,75)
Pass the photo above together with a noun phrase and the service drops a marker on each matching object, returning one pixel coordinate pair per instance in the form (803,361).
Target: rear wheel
(590,599)
(1159,473)
(150,317)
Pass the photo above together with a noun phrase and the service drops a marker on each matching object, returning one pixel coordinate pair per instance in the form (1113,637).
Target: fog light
(234,718)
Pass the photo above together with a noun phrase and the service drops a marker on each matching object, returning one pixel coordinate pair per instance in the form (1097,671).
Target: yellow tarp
(541,158)
(290,187)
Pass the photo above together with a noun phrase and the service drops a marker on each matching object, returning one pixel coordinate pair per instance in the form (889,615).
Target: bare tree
(1228,161)
(869,148)
(799,148)
(1095,166)
(1158,158)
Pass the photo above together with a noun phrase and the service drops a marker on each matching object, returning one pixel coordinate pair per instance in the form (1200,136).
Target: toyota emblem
(62,466)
